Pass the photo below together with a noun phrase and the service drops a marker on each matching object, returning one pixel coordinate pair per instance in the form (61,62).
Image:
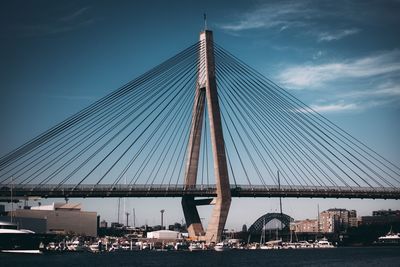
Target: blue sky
(340,57)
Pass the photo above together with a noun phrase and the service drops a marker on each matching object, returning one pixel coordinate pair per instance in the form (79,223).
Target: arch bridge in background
(258,225)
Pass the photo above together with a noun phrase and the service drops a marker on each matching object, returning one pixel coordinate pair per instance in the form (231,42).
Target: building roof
(59,206)
(165,231)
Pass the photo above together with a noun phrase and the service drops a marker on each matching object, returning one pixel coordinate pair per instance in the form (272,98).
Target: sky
(340,57)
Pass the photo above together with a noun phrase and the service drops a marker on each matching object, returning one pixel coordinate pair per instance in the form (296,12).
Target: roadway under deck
(102,191)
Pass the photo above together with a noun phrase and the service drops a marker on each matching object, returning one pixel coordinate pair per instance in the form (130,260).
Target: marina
(118,244)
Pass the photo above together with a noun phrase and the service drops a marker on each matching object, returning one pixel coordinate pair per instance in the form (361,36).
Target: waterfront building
(382,217)
(329,221)
(337,220)
(353,219)
(103,224)
(388,212)
(164,235)
(177,227)
(305,226)
(60,218)
(117,225)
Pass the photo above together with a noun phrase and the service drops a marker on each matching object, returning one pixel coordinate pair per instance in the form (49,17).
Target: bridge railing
(121,190)
(85,187)
(107,187)
(312,188)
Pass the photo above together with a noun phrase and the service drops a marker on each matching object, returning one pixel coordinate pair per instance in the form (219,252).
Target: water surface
(345,256)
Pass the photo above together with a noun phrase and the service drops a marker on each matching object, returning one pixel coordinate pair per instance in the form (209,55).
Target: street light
(127,216)
(162,219)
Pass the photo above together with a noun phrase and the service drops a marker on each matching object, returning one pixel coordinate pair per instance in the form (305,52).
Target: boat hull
(19,243)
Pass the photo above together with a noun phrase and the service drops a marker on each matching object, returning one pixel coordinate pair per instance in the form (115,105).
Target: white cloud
(281,15)
(392,90)
(338,107)
(387,89)
(311,76)
(346,106)
(333,36)
(333,107)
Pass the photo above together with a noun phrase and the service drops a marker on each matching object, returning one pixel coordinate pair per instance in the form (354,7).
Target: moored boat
(14,240)
(390,239)
(76,246)
(181,246)
(222,246)
(273,244)
(324,243)
(195,246)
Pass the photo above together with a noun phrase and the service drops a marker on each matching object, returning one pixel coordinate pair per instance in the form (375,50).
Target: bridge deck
(102,191)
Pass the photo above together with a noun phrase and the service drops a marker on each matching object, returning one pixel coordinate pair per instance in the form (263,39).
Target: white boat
(290,245)
(129,245)
(324,243)
(143,245)
(195,247)
(76,246)
(181,246)
(13,240)
(115,247)
(126,246)
(273,244)
(264,246)
(297,245)
(254,246)
(94,248)
(222,246)
(52,246)
(304,244)
(390,239)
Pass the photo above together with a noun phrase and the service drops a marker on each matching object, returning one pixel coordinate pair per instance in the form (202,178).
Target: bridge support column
(207,82)
(192,218)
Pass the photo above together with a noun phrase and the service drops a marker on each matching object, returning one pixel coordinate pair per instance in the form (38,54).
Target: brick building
(305,226)
(337,220)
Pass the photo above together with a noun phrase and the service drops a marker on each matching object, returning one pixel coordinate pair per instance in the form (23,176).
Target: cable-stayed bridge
(201,124)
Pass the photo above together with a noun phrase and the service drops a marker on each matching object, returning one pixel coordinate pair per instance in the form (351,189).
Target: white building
(165,235)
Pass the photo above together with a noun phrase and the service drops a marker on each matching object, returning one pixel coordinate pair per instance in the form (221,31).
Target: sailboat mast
(11,198)
(119,204)
(279,188)
(125,212)
(280,201)
(262,238)
(318,226)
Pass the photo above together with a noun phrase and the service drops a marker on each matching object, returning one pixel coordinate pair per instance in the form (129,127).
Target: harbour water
(342,256)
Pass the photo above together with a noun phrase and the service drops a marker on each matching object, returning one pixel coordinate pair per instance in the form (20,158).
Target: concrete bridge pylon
(206,92)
